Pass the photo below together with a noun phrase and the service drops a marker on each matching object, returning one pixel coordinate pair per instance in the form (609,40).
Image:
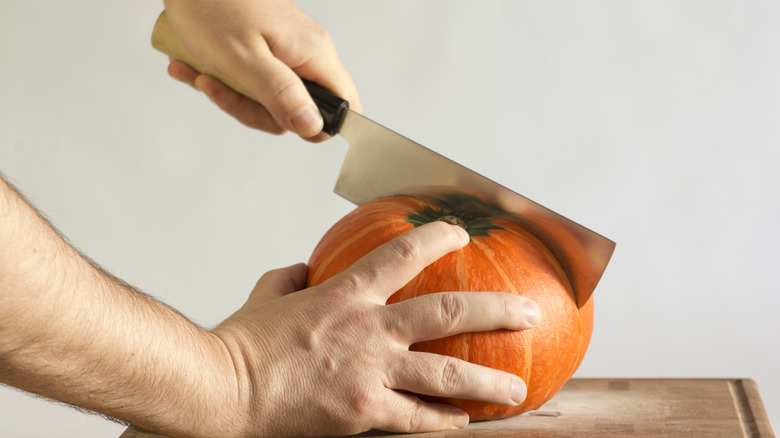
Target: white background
(654,123)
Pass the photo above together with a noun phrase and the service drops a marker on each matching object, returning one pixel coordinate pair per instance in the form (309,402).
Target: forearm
(71,332)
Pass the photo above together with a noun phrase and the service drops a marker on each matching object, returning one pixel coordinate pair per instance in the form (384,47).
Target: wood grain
(586,408)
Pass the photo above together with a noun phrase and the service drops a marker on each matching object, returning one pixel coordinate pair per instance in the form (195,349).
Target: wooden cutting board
(587,408)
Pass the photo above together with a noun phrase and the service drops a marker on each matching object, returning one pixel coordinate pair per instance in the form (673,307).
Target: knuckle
(308,38)
(407,249)
(283,93)
(363,401)
(416,417)
(513,311)
(284,87)
(451,375)
(452,310)
(509,307)
(319,37)
(349,282)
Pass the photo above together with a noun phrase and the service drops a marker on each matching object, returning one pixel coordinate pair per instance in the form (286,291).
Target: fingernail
(460,420)
(531,311)
(519,391)
(307,121)
(462,231)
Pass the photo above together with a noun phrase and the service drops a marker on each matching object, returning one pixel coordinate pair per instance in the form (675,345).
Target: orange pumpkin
(501,256)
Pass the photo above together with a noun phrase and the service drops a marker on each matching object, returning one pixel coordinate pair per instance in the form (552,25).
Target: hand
(333,359)
(266,46)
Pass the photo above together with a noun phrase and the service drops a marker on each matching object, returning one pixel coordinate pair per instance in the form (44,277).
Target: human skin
(266,46)
(333,359)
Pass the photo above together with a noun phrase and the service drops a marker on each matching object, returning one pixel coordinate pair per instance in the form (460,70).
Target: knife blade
(380,162)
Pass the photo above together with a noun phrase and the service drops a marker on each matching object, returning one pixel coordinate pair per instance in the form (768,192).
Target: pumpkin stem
(452,220)
(461,209)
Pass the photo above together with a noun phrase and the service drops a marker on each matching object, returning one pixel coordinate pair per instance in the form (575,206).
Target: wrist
(196,393)
(217,403)
(244,372)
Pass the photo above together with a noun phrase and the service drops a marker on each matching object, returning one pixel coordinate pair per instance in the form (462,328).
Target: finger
(389,267)
(444,376)
(337,81)
(313,56)
(328,71)
(182,72)
(245,110)
(408,414)
(443,314)
(282,92)
(280,282)
(318,138)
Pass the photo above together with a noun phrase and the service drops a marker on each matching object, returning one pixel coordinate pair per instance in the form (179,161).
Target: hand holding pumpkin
(333,359)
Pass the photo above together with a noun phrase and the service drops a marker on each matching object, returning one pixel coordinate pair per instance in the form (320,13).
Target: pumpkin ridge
(488,253)
(545,252)
(461,269)
(346,243)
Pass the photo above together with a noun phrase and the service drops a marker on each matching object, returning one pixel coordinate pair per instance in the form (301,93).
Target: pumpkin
(501,256)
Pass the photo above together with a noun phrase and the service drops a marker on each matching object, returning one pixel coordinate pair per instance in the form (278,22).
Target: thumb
(282,92)
(280,282)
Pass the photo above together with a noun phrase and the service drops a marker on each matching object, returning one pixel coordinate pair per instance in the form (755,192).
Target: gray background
(654,123)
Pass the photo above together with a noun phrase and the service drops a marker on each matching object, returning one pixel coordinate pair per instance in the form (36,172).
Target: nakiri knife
(380,162)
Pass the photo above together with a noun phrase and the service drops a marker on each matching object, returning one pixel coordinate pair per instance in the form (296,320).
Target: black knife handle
(332,107)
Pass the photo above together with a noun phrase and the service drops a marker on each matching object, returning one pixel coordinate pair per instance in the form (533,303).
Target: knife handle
(332,107)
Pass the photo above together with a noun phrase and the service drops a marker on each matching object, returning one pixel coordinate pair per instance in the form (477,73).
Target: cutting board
(586,408)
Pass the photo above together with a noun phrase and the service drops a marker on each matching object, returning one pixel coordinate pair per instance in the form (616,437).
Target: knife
(380,162)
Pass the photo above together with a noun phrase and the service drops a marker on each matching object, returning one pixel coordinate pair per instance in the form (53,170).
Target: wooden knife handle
(332,107)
